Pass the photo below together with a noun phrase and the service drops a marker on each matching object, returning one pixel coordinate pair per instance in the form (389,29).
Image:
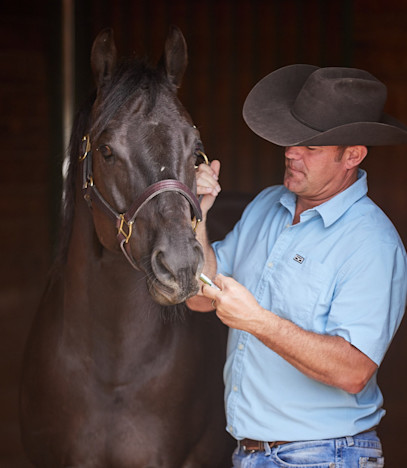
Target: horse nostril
(160,266)
(174,267)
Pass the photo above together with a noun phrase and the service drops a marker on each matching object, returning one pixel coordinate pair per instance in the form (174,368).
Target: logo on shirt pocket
(298,258)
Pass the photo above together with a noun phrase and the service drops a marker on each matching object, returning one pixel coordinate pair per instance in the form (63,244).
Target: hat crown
(335,96)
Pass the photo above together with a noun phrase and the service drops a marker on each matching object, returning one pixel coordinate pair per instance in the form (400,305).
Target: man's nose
(292,152)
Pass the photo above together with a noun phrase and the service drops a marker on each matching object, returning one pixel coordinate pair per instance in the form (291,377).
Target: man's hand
(207,184)
(235,305)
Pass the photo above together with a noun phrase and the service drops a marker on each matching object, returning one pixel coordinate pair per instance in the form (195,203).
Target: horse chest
(95,422)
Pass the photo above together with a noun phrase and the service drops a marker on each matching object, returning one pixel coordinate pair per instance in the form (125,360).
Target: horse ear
(103,57)
(175,57)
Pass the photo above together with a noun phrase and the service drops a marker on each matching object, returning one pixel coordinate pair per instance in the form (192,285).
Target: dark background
(232,44)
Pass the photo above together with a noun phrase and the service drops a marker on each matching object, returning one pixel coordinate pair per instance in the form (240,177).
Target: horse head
(143,147)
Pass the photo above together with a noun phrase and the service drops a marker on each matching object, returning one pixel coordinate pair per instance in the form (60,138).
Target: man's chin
(293,182)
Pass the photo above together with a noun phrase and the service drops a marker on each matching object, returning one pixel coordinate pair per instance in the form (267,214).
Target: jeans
(360,451)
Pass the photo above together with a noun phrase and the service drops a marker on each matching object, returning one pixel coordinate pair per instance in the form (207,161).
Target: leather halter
(124,221)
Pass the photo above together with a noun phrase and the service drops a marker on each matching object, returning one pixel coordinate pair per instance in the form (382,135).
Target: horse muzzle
(175,264)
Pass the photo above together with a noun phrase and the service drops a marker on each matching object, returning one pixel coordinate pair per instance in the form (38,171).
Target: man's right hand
(207,184)
(208,187)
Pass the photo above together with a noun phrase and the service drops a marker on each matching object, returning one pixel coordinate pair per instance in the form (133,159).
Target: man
(312,278)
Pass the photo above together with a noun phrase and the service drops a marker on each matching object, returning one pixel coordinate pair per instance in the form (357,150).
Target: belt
(249,445)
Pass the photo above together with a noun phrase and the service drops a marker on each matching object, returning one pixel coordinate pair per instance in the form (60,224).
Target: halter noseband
(124,221)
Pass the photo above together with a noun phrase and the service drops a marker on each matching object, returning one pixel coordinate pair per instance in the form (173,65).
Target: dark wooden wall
(25,175)
(232,44)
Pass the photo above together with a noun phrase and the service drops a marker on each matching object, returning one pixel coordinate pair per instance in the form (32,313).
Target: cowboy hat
(304,105)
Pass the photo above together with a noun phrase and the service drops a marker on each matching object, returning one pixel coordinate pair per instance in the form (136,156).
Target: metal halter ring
(87,148)
(205,158)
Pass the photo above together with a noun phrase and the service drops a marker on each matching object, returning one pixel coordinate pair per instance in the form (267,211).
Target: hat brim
(267,111)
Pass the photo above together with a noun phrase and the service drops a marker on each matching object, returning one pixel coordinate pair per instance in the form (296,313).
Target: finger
(213,169)
(215,166)
(206,184)
(207,190)
(209,292)
(205,179)
(221,281)
(206,176)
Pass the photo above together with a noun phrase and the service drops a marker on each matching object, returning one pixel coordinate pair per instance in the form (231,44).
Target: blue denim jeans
(360,451)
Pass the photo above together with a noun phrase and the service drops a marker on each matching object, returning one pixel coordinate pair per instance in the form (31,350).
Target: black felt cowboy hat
(304,105)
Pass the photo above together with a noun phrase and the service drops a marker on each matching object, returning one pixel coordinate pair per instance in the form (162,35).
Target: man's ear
(355,155)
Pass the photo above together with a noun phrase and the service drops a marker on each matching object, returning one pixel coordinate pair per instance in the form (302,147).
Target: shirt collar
(334,208)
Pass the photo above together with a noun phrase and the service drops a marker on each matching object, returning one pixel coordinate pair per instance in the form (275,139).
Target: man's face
(316,173)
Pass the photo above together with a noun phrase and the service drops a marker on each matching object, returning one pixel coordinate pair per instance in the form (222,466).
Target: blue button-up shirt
(340,271)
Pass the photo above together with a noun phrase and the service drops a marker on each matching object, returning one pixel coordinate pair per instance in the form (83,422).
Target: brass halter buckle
(121,231)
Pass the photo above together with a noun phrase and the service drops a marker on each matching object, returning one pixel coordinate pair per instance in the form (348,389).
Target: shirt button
(288,225)
(270,264)
(230,429)
(235,388)
(240,346)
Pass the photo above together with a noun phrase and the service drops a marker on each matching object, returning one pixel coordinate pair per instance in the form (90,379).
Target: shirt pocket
(299,288)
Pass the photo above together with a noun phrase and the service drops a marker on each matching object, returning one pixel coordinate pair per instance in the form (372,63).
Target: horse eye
(105,151)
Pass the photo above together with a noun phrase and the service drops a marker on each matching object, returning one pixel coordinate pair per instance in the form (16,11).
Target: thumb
(215,166)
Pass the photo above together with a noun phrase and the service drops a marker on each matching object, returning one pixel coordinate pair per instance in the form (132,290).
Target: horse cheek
(106,233)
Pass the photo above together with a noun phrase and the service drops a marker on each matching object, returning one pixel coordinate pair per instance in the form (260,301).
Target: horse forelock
(130,76)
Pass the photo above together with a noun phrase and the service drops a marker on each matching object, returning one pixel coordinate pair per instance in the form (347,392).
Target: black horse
(117,371)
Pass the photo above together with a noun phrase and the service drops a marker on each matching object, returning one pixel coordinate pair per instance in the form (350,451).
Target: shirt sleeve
(369,299)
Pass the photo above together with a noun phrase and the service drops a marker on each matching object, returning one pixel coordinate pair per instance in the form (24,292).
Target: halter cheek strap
(124,221)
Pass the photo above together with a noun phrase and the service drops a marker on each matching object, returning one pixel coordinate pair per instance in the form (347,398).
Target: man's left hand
(235,305)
